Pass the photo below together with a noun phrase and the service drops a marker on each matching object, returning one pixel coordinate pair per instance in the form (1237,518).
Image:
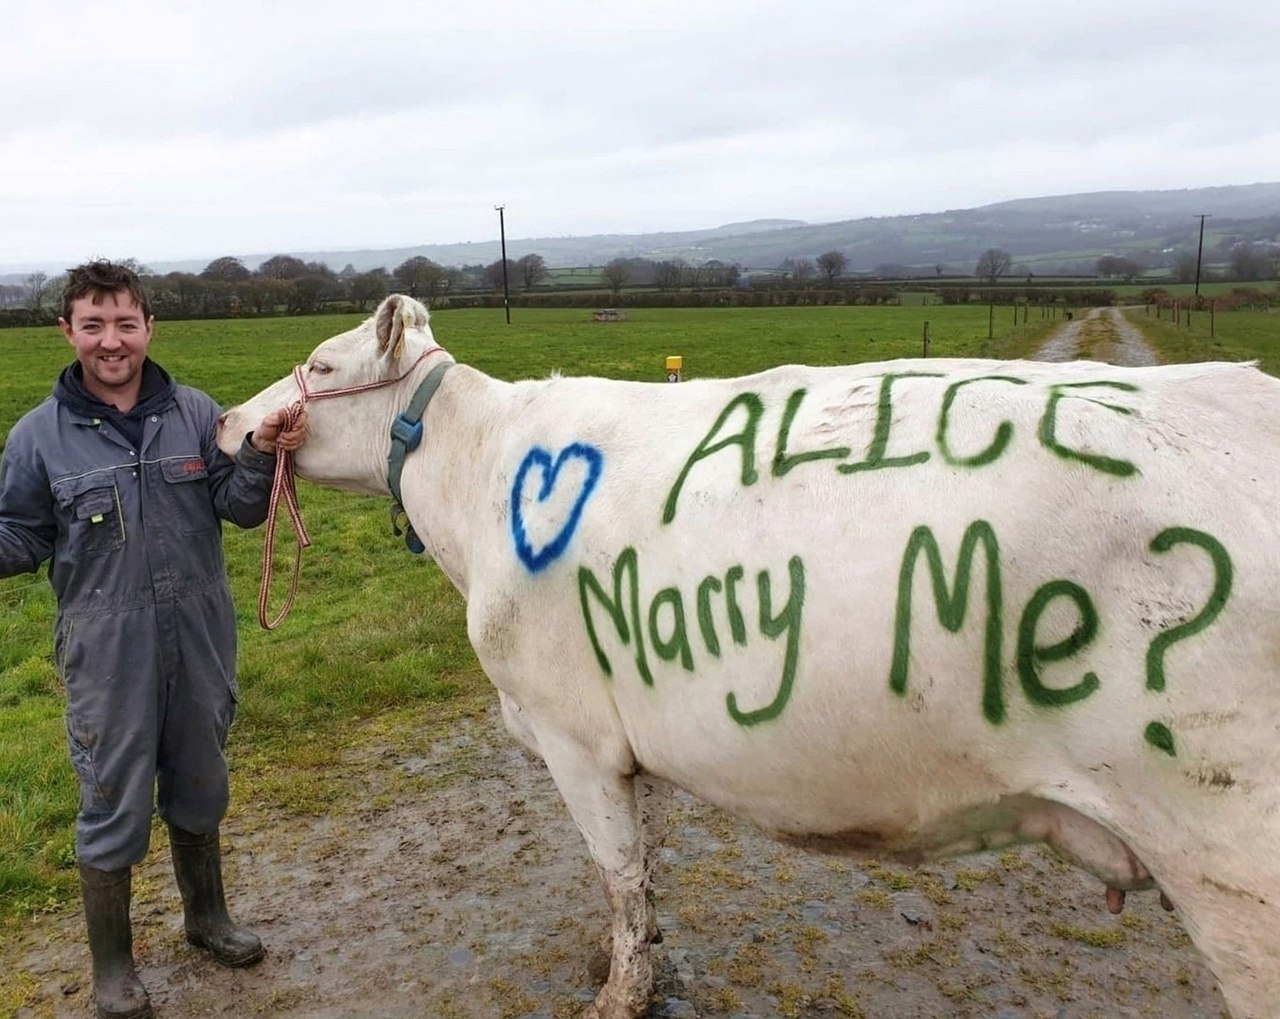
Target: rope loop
(283,486)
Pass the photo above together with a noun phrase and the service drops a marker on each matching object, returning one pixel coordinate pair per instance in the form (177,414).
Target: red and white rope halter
(284,487)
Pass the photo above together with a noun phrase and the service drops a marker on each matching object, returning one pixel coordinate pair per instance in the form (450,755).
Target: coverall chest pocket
(91,513)
(187,484)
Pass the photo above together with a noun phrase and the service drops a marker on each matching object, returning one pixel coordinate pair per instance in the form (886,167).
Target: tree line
(226,287)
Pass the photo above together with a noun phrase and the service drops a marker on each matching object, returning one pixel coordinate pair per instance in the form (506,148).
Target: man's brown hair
(100,278)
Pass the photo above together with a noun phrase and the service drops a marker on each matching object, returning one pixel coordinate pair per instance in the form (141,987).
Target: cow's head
(348,436)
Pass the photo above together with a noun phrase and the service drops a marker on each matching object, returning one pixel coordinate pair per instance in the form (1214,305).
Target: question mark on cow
(1157,733)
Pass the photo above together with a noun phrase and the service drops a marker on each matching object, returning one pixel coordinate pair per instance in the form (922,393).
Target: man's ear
(65,326)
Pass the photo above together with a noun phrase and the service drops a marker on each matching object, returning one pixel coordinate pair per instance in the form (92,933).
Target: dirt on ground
(449,883)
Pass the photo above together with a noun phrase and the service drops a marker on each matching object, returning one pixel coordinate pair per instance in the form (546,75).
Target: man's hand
(272,435)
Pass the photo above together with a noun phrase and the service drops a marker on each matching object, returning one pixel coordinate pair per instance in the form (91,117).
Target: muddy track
(451,884)
(472,896)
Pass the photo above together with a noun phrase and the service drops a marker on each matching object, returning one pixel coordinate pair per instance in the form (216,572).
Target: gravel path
(1102,334)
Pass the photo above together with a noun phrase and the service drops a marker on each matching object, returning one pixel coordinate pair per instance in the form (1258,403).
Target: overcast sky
(162,130)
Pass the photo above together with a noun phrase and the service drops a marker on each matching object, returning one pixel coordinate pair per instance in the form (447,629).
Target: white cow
(914,608)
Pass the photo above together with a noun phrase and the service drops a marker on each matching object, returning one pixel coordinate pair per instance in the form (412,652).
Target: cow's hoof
(609,1005)
(593,1011)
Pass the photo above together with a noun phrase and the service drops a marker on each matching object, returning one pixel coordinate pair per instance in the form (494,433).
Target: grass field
(376,629)
(233,359)
(1226,336)
(1215,288)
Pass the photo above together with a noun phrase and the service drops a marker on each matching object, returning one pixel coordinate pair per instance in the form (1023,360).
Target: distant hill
(1064,233)
(559,252)
(1057,234)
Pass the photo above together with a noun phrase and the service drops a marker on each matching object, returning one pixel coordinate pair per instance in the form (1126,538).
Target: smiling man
(116,480)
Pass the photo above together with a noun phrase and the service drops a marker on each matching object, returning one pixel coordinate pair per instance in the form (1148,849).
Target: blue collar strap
(406,434)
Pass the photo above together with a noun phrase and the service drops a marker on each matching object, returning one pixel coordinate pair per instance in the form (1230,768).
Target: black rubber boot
(117,991)
(197,864)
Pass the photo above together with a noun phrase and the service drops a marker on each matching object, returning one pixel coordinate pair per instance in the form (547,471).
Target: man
(117,480)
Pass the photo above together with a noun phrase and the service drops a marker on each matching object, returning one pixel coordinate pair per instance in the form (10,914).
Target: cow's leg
(654,799)
(602,802)
(1231,910)
(1223,877)
(517,723)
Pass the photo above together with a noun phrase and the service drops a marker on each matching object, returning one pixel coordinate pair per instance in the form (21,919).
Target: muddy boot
(117,991)
(197,864)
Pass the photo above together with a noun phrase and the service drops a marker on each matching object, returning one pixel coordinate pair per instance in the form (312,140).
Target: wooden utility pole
(1200,249)
(502,232)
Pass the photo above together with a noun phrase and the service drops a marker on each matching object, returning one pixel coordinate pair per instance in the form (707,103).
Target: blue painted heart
(536,560)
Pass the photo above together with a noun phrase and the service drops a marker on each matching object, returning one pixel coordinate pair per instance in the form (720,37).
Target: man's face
(110,339)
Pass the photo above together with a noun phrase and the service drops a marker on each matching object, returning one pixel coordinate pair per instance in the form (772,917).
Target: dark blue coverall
(145,636)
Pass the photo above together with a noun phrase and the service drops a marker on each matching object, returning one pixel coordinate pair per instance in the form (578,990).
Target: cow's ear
(395,317)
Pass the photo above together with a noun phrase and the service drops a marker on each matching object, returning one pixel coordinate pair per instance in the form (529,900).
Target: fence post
(926,338)
(1212,308)
(991,320)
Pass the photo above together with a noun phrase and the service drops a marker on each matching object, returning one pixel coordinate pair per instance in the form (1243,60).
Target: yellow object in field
(675,364)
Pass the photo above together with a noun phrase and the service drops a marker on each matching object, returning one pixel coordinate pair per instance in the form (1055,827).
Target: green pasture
(1224,336)
(1208,289)
(577,276)
(232,359)
(377,639)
